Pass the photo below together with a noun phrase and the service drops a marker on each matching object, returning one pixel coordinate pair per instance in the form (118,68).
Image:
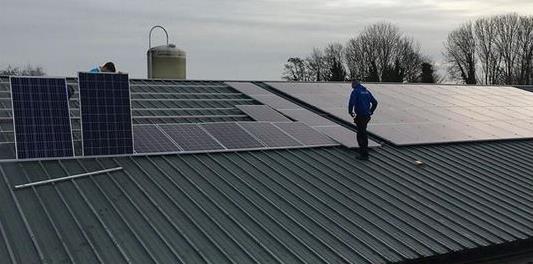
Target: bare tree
(27,70)
(382,53)
(507,43)
(295,70)
(525,45)
(460,52)
(316,65)
(486,33)
(500,50)
(334,62)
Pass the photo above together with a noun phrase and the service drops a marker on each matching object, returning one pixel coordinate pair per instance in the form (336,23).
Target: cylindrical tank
(166,61)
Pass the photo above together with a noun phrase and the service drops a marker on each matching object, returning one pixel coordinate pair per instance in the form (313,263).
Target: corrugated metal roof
(278,206)
(286,206)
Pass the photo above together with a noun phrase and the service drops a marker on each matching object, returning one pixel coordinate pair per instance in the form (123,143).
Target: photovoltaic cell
(305,134)
(269,134)
(232,136)
(41,117)
(263,113)
(191,137)
(150,139)
(105,114)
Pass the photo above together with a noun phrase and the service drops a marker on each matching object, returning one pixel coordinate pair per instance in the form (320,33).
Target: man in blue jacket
(361,107)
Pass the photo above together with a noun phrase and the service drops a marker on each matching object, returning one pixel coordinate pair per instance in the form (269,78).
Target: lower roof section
(280,206)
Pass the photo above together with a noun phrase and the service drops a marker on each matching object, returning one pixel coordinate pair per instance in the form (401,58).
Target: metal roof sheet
(287,206)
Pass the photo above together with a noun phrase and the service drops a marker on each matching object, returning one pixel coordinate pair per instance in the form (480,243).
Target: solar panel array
(105,114)
(41,118)
(342,135)
(234,136)
(426,114)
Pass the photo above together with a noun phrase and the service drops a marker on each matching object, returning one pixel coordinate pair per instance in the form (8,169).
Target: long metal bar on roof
(178,93)
(195,100)
(157,117)
(177,100)
(170,109)
(180,85)
(178,153)
(187,116)
(66,178)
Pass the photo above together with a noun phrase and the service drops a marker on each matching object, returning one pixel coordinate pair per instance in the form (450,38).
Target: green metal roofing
(316,205)
(284,206)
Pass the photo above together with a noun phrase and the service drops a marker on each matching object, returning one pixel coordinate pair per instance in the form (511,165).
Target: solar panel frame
(67,113)
(128,149)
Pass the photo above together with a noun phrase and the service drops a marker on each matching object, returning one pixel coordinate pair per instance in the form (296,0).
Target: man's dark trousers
(362,136)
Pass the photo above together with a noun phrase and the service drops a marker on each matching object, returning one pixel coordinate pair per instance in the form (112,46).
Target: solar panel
(150,139)
(307,117)
(105,114)
(275,102)
(344,136)
(247,88)
(426,114)
(269,134)
(232,136)
(41,117)
(191,137)
(305,134)
(263,113)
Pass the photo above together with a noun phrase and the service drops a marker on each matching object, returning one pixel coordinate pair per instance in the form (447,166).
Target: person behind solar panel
(361,106)
(107,67)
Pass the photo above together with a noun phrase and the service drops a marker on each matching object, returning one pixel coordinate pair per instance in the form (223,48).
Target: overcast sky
(224,39)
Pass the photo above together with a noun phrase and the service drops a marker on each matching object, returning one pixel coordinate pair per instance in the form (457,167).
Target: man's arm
(374,103)
(351,104)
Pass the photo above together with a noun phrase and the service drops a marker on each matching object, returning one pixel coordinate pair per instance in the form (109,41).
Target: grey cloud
(229,39)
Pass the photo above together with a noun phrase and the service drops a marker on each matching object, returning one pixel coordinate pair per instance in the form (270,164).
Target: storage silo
(165,61)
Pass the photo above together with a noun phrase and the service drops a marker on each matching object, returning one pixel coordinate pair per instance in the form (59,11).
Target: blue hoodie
(362,101)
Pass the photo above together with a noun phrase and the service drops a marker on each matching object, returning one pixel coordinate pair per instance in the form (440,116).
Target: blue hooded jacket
(362,102)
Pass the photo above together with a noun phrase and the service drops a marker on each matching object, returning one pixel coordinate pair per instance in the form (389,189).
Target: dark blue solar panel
(41,117)
(105,114)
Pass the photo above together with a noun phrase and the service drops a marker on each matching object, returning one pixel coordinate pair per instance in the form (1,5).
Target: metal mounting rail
(66,178)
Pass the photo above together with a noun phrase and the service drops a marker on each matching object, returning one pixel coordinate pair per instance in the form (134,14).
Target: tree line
(28,70)
(488,50)
(492,50)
